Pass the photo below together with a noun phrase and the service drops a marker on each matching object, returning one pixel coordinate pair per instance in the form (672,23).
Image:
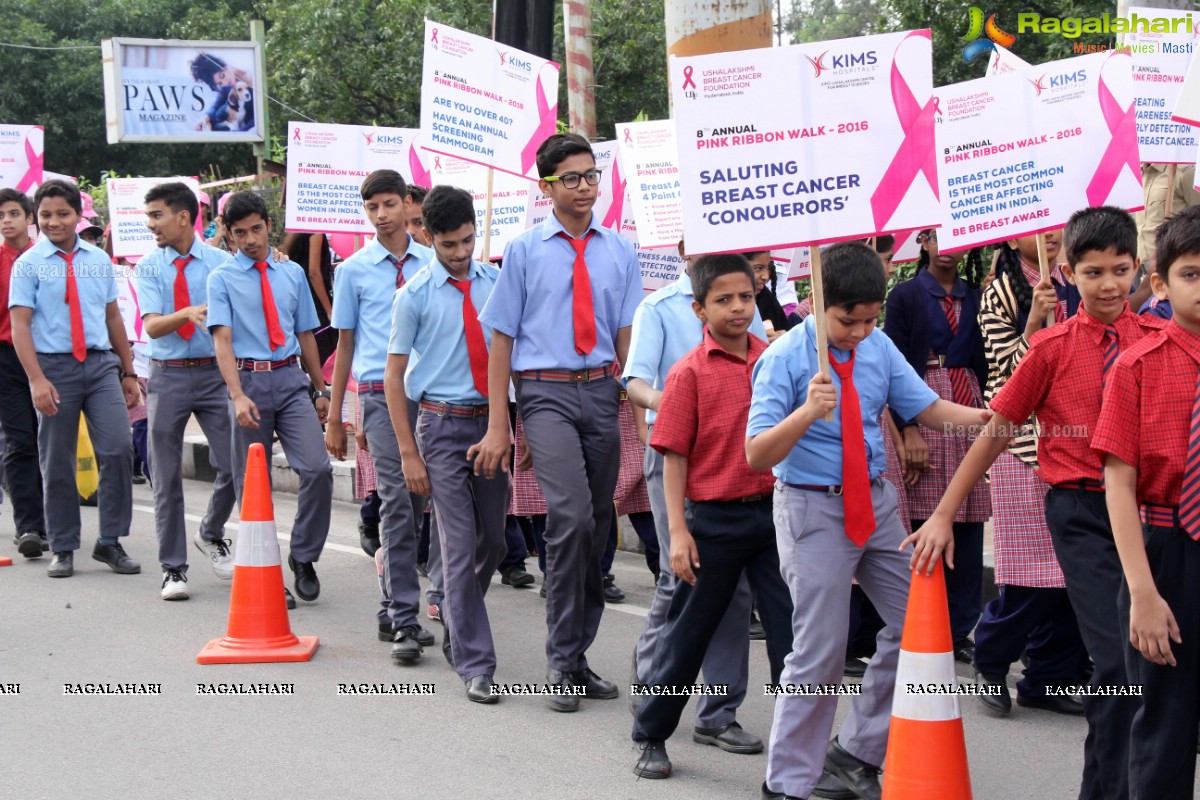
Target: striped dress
(1024,554)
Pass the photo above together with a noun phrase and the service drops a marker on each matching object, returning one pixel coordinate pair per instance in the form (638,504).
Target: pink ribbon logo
(1122,149)
(433,37)
(547,124)
(437,163)
(296,135)
(137,309)
(628,138)
(33,175)
(916,151)
(612,219)
(688,83)
(419,173)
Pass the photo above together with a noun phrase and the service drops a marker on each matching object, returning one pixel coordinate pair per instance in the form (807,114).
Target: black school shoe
(652,762)
(857,775)
(831,787)
(31,544)
(117,559)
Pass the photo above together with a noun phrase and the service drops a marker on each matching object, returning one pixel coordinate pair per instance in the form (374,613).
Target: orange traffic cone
(927,754)
(258,629)
(5,561)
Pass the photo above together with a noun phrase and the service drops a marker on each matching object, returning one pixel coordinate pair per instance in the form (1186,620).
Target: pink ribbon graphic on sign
(33,175)
(612,220)
(433,37)
(688,83)
(420,175)
(628,137)
(137,309)
(437,163)
(296,135)
(1122,146)
(916,152)
(547,123)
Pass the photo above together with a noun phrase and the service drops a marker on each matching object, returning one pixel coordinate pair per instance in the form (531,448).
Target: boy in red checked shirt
(1149,438)
(726,526)
(1061,380)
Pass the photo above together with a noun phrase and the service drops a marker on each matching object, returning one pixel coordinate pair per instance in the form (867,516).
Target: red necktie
(182,299)
(583,314)
(78,341)
(1189,492)
(960,385)
(476,346)
(856,481)
(398,263)
(270,312)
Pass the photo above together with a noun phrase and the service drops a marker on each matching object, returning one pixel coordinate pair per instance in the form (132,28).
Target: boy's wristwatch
(326,394)
(125,375)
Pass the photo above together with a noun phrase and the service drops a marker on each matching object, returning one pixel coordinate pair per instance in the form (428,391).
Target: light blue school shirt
(155,278)
(363,288)
(427,316)
(881,376)
(532,299)
(235,300)
(665,328)
(39,281)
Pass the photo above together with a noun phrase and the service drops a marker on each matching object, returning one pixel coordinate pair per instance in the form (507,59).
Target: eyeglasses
(570,180)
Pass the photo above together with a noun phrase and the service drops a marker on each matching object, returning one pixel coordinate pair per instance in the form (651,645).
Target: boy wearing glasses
(567,394)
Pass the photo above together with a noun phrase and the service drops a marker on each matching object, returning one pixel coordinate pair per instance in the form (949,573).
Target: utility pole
(581,80)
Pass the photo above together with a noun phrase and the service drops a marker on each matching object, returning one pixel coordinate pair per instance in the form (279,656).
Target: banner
(649,155)
(486,102)
(1019,153)
(806,144)
(127,214)
(1160,63)
(22,153)
(326,165)
(183,91)
(1003,61)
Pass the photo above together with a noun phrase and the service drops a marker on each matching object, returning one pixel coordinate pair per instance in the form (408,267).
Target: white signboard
(127,214)
(650,158)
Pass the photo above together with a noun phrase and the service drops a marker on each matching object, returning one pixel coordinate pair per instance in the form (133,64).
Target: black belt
(448,409)
(832,491)
(184,362)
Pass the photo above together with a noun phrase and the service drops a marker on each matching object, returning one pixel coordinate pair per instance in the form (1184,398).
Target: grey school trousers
(727,661)
(173,394)
(571,430)
(818,560)
(470,513)
(92,387)
(284,408)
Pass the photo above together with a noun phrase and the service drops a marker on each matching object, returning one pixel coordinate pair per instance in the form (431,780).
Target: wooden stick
(1044,267)
(487,220)
(818,310)
(1170,191)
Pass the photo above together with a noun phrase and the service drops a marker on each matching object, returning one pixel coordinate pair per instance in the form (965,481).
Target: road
(100,627)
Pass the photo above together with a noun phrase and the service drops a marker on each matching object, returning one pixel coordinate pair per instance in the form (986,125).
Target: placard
(1003,61)
(510,197)
(486,102)
(127,214)
(22,155)
(806,144)
(1160,64)
(649,155)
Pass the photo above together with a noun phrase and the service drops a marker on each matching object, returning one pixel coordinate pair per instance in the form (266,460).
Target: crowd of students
(768,483)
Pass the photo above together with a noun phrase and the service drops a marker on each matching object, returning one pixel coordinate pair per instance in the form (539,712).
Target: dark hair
(852,275)
(205,67)
(772,282)
(1101,228)
(383,181)
(970,266)
(706,269)
(1178,236)
(447,209)
(558,148)
(177,196)
(1009,264)
(417,192)
(241,205)
(59,188)
(20,198)
(884,243)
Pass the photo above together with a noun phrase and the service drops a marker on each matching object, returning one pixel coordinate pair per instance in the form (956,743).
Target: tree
(822,20)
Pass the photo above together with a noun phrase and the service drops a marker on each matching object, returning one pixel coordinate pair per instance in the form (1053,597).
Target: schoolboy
(837,518)
(665,328)
(1147,436)
(566,392)
(18,417)
(435,315)
(414,221)
(184,380)
(261,315)
(364,285)
(725,530)
(70,338)
(1061,380)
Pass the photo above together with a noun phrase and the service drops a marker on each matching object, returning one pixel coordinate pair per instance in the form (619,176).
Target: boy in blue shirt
(566,393)
(364,286)
(184,380)
(70,338)
(837,517)
(435,314)
(262,316)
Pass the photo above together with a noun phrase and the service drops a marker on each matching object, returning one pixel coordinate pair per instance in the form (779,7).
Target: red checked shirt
(8,256)
(702,415)
(1060,379)
(1147,411)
